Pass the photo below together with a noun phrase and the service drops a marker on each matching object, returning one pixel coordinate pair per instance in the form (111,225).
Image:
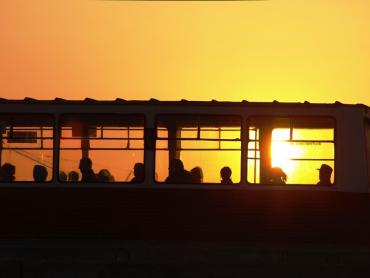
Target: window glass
(26,147)
(203,144)
(290,150)
(114,144)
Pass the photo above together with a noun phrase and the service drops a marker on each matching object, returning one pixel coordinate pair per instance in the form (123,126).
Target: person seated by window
(7,173)
(139,173)
(226,175)
(104,176)
(73,176)
(39,173)
(325,175)
(197,174)
(177,173)
(87,172)
(62,176)
(277,176)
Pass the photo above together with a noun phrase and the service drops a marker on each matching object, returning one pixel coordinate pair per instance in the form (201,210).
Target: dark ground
(106,259)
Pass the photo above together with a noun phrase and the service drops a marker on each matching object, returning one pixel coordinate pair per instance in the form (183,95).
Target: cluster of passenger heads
(72,176)
(178,174)
(87,173)
(7,173)
(40,173)
(278,176)
(104,175)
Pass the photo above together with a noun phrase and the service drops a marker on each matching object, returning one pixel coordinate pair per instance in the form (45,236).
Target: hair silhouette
(40,173)
(225,173)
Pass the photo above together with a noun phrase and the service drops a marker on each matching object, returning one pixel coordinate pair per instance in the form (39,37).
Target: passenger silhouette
(226,175)
(73,176)
(139,173)
(177,173)
(87,172)
(277,176)
(104,176)
(40,173)
(325,175)
(7,173)
(197,174)
(62,176)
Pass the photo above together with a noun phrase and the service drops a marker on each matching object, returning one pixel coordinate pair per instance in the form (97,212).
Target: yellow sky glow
(256,50)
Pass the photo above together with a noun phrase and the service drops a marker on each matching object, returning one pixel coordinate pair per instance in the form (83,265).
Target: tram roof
(120,101)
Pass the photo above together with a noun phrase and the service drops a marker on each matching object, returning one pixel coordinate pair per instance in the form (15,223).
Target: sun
(283,151)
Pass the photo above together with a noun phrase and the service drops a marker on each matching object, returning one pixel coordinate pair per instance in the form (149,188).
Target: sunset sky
(286,50)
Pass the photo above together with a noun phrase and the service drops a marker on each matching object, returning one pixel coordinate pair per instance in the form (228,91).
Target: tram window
(209,142)
(289,150)
(113,142)
(26,141)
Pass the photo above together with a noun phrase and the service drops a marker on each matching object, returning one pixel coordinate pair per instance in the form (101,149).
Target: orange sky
(315,50)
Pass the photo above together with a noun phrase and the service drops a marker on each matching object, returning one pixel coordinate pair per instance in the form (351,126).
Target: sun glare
(282,151)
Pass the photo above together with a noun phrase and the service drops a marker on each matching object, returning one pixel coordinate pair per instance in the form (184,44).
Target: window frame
(290,116)
(52,118)
(204,184)
(105,184)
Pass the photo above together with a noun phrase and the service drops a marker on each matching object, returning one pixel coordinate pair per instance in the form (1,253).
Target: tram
(250,139)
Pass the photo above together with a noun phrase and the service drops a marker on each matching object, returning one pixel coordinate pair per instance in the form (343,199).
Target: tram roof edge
(90,101)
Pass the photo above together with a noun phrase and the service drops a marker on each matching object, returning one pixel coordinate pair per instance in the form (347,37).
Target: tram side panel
(350,152)
(178,214)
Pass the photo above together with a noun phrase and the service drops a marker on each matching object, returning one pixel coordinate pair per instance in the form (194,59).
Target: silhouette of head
(7,172)
(277,175)
(139,171)
(197,174)
(225,173)
(176,167)
(105,176)
(325,173)
(85,164)
(73,176)
(39,173)
(62,176)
